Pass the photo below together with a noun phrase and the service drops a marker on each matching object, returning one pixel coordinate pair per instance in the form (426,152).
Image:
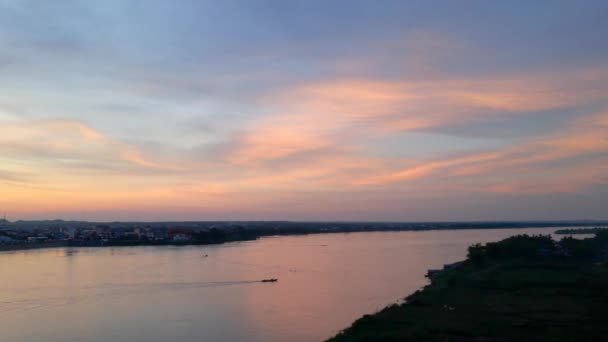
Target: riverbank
(519,289)
(580,231)
(206,233)
(57,244)
(34,245)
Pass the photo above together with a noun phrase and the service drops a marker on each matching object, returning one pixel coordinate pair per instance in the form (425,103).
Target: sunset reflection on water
(326,281)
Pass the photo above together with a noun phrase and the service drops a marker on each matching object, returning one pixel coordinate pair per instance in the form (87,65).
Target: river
(166,293)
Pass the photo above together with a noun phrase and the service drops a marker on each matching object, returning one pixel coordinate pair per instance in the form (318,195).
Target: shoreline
(251,236)
(29,246)
(526,288)
(63,244)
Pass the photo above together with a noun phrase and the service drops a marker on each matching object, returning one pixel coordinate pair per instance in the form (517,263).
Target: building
(180,234)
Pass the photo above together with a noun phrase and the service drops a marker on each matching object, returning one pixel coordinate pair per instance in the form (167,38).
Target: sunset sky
(304,110)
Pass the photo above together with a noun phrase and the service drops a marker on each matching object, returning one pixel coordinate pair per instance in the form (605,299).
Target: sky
(304,110)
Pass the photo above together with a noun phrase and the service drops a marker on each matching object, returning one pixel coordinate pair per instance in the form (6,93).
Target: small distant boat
(271,280)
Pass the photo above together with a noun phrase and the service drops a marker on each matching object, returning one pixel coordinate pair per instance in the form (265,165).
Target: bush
(515,247)
(476,253)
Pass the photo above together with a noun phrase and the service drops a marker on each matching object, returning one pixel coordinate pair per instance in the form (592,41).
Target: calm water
(175,294)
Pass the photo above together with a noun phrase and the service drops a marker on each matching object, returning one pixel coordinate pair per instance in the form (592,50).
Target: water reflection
(173,293)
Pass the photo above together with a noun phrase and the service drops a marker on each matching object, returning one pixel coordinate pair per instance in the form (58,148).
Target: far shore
(254,234)
(26,245)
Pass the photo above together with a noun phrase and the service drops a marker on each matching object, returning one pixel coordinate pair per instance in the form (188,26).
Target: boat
(271,280)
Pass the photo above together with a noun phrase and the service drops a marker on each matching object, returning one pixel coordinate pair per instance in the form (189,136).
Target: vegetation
(524,288)
(575,231)
(58,233)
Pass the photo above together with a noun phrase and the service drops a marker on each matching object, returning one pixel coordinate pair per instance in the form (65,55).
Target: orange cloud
(313,141)
(325,115)
(341,116)
(523,169)
(64,140)
(415,104)
(424,169)
(584,136)
(275,140)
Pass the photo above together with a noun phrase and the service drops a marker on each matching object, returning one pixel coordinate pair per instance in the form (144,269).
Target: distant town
(58,233)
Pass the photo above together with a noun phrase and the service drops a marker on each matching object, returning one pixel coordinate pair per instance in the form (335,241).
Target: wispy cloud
(314,110)
(59,140)
(569,160)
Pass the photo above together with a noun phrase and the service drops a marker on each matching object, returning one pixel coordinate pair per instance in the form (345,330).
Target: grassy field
(546,296)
